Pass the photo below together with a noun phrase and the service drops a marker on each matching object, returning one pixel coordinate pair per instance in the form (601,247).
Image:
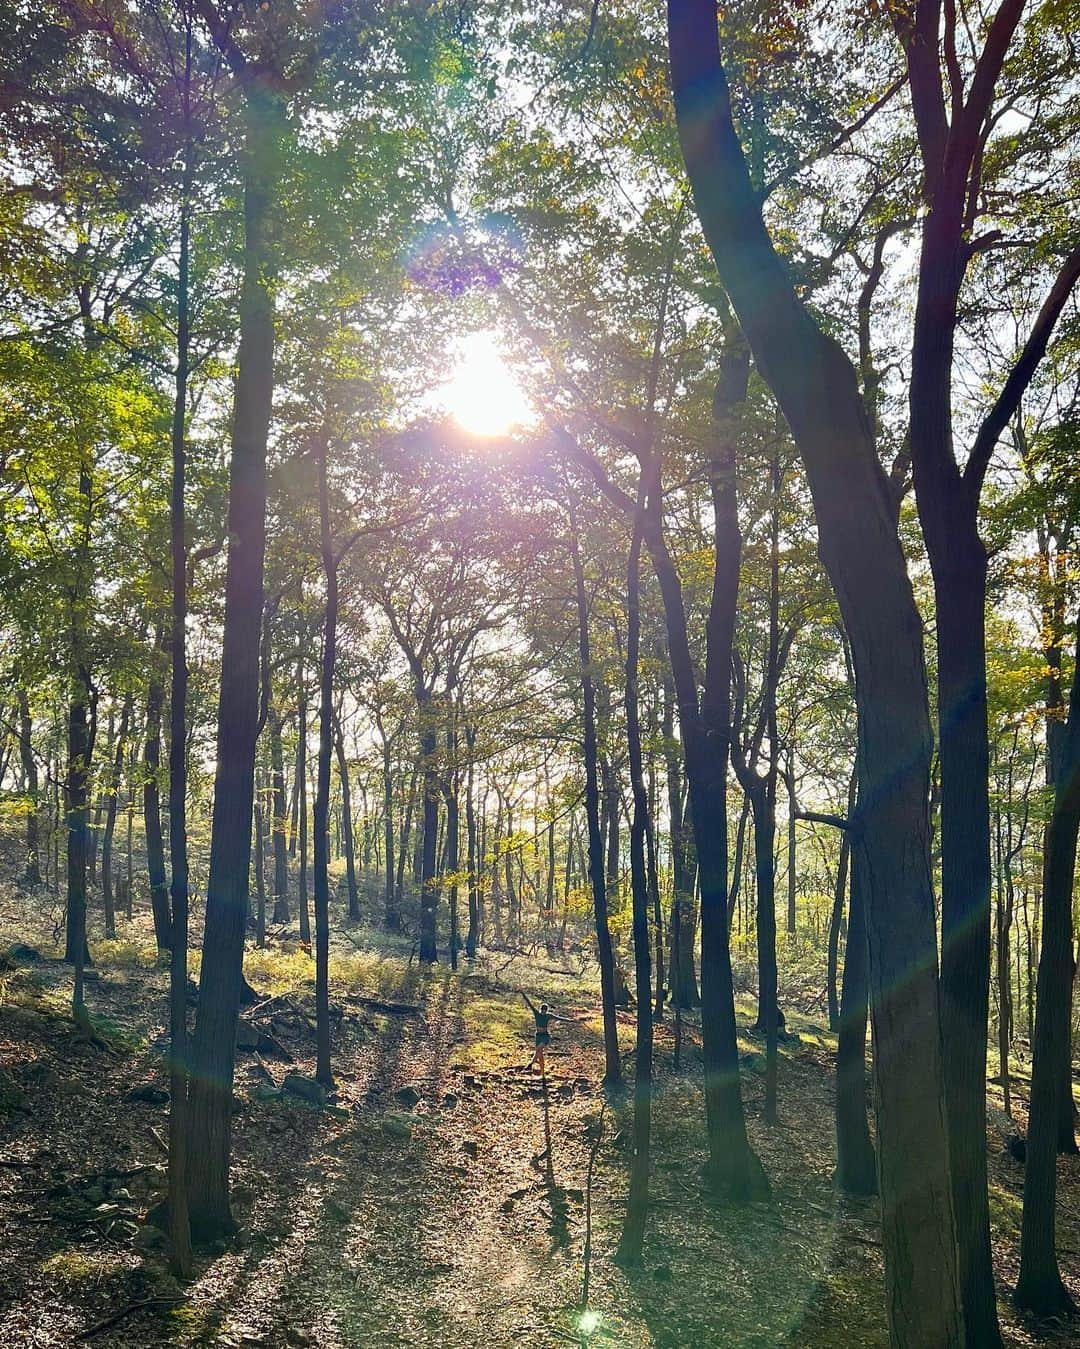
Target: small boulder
(149,1238)
(149,1094)
(22,954)
(470,1147)
(11,1094)
(247,1035)
(407,1096)
(306,1088)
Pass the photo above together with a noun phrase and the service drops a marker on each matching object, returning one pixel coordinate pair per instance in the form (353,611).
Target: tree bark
(214,1048)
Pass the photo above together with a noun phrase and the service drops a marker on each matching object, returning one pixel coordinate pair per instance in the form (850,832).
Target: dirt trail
(440,1203)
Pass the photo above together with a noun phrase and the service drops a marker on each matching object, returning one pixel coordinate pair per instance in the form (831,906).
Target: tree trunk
(605,954)
(764,812)
(429,890)
(633,1233)
(112,800)
(260,871)
(280,814)
(450,860)
(32,868)
(682,976)
(214,1048)
(321,822)
(1040,1289)
(301,802)
(818,392)
(733,1169)
(856,1172)
(179,1224)
(348,837)
(391,913)
(79,750)
(836,918)
(792,879)
(472,937)
(155,847)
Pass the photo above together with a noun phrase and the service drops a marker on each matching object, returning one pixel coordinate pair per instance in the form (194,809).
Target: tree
(817,390)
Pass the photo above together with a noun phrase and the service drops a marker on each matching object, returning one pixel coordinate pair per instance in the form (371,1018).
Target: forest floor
(441,1200)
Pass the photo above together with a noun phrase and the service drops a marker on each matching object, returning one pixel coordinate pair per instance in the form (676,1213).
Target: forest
(539,699)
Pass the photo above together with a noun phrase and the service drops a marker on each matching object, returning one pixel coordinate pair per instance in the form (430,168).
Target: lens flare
(482,394)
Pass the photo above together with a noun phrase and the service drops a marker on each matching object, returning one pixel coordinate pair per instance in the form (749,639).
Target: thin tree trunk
(32,868)
(179,1225)
(279,816)
(391,913)
(1040,1288)
(321,826)
(856,1169)
(836,918)
(605,953)
(112,800)
(301,802)
(155,847)
(348,837)
(472,937)
(633,1232)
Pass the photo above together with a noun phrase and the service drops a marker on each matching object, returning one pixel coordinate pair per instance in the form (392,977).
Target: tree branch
(1020,376)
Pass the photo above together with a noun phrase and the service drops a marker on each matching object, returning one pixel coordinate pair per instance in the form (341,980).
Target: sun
(482,394)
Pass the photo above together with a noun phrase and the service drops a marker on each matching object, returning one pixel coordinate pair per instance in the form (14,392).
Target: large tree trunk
(214,1048)
(1040,1288)
(155,847)
(818,392)
(958,562)
(598,881)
